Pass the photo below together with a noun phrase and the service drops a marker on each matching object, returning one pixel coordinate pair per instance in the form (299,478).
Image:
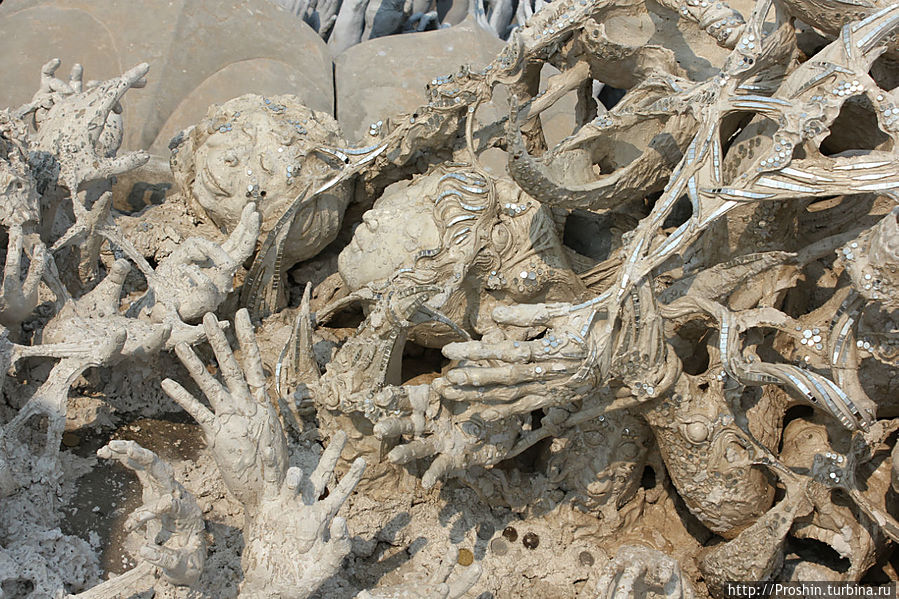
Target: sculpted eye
(697,432)
(628,450)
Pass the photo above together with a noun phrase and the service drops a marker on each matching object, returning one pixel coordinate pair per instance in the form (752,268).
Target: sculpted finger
(414,450)
(139,517)
(129,453)
(49,68)
(114,89)
(491,394)
(252,359)
(463,583)
(338,529)
(213,389)
(445,568)
(110,167)
(201,251)
(76,78)
(198,411)
(528,315)
(326,464)
(524,406)
(293,478)
(240,244)
(345,487)
(199,281)
(159,471)
(439,468)
(160,556)
(231,370)
(479,376)
(272,470)
(339,545)
(389,428)
(507,351)
(116,449)
(150,511)
(104,298)
(141,455)
(135,75)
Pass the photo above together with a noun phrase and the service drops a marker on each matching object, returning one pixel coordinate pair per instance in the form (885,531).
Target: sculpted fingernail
(457,377)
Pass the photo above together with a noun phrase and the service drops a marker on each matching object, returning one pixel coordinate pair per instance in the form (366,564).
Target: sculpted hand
(51,90)
(71,135)
(197,277)
(435,586)
(17,297)
(242,430)
(294,541)
(458,441)
(173,520)
(530,374)
(95,329)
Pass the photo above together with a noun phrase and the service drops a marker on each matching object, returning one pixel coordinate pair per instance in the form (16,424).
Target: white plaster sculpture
(294,540)
(650,358)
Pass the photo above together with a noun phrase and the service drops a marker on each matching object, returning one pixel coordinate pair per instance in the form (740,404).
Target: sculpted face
(399,225)
(262,150)
(602,461)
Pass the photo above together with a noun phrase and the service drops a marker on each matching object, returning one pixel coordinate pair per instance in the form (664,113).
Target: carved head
(262,150)
(456,225)
(431,229)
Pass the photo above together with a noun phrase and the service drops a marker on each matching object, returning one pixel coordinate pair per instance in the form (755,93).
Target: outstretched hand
(294,540)
(197,277)
(72,121)
(242,429)
(173,520)
(458,441)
